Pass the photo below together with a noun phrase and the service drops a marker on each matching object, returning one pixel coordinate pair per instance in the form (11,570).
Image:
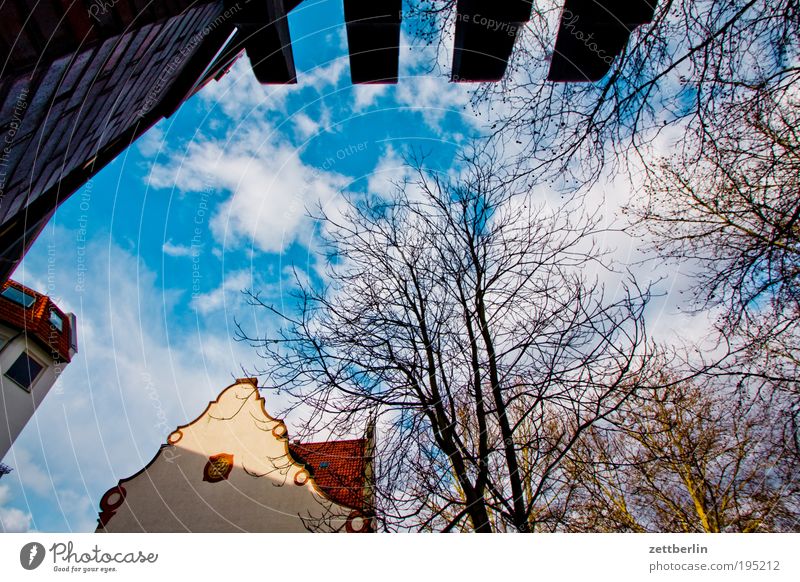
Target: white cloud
(173,250)
(12,519)
(337,38)
(80,509)
(434,97)
(216,299)
(271,187)
(30,474)
(390,170)
(424,88)
(153,141)
(238,93)
(424,82)
(367,95)
(326,76)
(304,126)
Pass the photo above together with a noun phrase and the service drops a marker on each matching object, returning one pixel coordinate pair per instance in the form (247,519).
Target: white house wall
(17,405)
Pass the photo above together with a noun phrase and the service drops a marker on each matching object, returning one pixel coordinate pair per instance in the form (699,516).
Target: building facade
(233,469)
(79,82)
(37,340)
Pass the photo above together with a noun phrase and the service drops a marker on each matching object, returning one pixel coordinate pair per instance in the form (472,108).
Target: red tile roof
(35,321)
(338,467)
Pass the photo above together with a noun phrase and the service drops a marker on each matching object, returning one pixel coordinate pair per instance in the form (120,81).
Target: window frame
(26,305)
(34,379)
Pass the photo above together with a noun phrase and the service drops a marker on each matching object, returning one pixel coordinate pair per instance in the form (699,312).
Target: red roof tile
(35,320)
(338,468)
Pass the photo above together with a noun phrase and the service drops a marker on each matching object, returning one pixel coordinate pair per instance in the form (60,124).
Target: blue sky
(152,254)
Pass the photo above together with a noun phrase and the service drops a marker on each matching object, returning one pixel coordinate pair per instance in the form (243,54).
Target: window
(17,296)
(56,320)
(24,371)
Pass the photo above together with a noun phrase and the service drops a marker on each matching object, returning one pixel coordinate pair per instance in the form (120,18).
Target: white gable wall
(266,491)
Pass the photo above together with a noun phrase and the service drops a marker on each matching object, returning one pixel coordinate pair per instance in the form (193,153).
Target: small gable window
(17,296)
(24,371)
(56,320)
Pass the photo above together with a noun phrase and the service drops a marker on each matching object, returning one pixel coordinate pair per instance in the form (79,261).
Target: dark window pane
(24,370)
(18,296)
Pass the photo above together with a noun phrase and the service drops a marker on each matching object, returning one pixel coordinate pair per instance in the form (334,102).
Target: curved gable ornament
(229,470)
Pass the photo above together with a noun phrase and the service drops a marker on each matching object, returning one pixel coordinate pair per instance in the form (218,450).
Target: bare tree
(675,72)
(728,204)
(687,456)
(461,312)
